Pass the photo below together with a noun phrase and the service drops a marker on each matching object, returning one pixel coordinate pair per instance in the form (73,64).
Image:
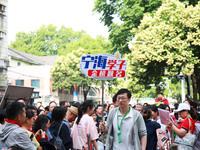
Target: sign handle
(103,81)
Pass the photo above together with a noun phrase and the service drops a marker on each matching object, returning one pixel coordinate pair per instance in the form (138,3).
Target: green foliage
(66,71)
(99,45)
(170,42)
(129,13)
(174,89)
(49,40)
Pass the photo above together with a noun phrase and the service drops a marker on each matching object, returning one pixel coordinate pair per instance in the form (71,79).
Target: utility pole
(182,78)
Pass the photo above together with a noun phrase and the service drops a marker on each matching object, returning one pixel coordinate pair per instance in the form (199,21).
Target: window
(2,8)
(1,35)
(35,83)
(20,82)
(92,91)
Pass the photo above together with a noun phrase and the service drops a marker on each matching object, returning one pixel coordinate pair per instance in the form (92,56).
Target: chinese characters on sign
(103,66)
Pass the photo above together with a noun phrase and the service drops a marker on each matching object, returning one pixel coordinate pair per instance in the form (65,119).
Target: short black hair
(29,114)
(160,93)
(165,106)
(38,111)
(47,108)
(122,91)
(62,103)
(154,108)
(65,108)
(58,114)
(14,109)
(20,99)
(98,106)
(52,102)
(2,115)
(114,99)
(146,113)
(77,104)
(30,107)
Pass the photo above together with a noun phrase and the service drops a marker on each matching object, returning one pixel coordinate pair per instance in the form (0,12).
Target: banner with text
(103,66)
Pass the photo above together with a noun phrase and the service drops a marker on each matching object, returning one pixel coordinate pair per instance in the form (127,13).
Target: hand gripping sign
(103,66)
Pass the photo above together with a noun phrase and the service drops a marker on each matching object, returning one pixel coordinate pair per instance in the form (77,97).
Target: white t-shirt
(126,131)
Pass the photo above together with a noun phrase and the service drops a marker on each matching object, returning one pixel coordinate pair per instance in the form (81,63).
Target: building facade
(4,61)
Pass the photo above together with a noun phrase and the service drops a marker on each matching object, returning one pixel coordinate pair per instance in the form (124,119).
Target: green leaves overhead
(128,14)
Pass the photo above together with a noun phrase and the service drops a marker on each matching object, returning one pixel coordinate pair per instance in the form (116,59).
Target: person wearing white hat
(187,123)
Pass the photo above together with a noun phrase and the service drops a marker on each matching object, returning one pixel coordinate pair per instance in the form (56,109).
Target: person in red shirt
(187,125)
(161,100)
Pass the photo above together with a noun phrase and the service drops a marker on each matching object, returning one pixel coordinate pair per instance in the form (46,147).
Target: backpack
(163,139)
(57,141)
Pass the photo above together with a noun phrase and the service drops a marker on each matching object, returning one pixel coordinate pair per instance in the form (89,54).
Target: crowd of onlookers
(85,126)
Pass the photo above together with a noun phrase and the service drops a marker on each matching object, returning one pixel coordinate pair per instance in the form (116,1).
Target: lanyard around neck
(119,126)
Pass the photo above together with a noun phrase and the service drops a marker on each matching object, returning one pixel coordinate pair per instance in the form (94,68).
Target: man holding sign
(125,126)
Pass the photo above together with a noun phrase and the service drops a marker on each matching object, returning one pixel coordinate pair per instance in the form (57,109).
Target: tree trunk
(188,88)
(194,86)
(85,95)
(85,92)
(198,86)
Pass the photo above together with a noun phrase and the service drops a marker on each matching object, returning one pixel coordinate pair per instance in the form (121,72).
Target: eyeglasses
(122,98)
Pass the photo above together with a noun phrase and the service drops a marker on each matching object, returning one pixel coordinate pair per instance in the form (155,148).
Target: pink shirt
(80,131)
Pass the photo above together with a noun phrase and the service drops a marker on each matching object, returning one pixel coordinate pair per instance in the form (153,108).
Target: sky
(30,15)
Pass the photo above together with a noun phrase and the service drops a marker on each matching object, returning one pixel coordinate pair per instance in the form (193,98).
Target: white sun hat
(182,106)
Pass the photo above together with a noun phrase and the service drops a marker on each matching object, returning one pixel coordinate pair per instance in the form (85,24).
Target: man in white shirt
(125,126)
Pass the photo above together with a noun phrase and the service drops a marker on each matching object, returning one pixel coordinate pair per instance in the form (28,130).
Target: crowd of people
(84,126)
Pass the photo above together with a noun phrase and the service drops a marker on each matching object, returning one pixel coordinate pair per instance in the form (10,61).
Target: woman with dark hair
(151,129)
(193,111)
(84,125)
(40,112)
(42,122)
(57,117)
(155,116)
(41,125)
(166,107)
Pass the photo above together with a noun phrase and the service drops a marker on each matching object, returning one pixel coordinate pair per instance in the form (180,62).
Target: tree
(49,40)
(169,44)
(99,45)
(129,14)
(66,72)
(130,82)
